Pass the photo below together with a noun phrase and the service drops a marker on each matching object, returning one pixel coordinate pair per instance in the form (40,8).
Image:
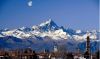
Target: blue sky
(76,14)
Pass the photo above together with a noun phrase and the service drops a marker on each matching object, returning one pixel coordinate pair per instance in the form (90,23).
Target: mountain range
(46,35)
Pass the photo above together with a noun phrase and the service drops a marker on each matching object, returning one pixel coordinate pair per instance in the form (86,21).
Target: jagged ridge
(48,31)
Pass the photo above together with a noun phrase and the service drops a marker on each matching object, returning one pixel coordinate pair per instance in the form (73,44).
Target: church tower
(55,49)
(87,52)
(88,44)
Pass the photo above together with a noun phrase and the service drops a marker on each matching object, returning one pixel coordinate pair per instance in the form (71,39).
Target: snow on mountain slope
(25,29)
(48,26)
(16,33)
(84,36)
(44,35)
(50,29)
(1,35)
(78,31)
(57,34)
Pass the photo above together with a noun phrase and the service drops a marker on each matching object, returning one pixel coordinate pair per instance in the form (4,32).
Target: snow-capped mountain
(50,29)
(47,31)
(48,25)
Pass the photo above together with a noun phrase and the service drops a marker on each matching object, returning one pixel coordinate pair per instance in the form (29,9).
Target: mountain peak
(49,25)
(48,22)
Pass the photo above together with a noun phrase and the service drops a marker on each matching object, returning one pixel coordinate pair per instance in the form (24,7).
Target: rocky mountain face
(45,35)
